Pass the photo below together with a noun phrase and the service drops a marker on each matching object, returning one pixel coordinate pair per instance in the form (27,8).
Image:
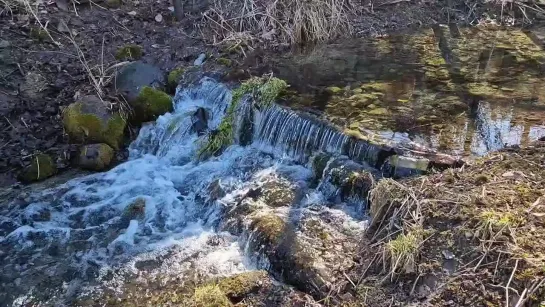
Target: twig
(509,282)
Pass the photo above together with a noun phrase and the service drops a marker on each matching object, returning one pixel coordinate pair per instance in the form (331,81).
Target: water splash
(153,218)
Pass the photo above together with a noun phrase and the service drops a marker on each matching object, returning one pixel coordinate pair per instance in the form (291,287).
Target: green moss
(39,34)
(41,167)
(224,62)
(150,104)
(84,127)
(238,286)
(264,91)
(174,78)
(270,228)
(210,296)
(129,52)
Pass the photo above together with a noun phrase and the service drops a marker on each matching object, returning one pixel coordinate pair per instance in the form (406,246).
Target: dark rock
(88,120)
(346,178)
(133,77)
(96,157)
(200,121)
(215,190)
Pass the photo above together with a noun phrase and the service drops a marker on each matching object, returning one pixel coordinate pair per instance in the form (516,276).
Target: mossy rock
(269,228)
(135,210)
(210,296)
(225,62)
(95,157)
(150,104)
(42,167)
(174,78)
(129,52)
(88,120)
(278,194)
(39,34)
(239,286)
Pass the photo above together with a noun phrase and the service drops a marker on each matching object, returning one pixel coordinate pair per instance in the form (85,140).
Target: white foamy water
(152,217)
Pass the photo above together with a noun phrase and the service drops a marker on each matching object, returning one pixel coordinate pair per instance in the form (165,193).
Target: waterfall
(162,214)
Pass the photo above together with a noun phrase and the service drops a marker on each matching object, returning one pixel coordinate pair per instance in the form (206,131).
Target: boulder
(133,77)
(88,120)
(95,157)
(346,179)
(42,167)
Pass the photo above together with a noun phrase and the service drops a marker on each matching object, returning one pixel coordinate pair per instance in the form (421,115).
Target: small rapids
(164,216)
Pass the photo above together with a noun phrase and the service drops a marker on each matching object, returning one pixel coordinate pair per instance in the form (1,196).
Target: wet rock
(36,213)
(173,79)
(150,104)
(135,211)
(41,167)
(88,120)
(319,164)
(133,77)
(278,193)
(200,121)
(95,157)
(129,52)
(345,179)
(215,190)
(291,258)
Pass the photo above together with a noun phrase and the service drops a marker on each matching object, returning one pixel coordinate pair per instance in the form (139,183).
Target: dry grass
(285,21)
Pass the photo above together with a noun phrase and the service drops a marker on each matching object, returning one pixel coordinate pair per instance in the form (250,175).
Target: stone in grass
(41,167)
(88,120)
(150,104)
(95,157)
(129,52)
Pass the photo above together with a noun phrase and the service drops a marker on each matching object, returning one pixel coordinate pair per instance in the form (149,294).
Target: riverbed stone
(41,167)
(95,157)
(88,121)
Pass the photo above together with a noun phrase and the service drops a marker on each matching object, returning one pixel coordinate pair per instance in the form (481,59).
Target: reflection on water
(459,90)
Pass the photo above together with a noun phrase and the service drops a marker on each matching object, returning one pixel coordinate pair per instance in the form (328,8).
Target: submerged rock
(96,157)
(200,121)
(42,167)
(88,120)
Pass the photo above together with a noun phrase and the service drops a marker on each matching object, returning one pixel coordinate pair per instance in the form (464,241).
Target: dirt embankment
(465,237)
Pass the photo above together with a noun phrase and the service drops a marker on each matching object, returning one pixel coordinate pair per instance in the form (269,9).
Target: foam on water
(150,218)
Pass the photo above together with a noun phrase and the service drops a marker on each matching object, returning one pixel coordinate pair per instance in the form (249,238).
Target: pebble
(4,44)
(132,13)
(159,18)
(448,254)
(200,60)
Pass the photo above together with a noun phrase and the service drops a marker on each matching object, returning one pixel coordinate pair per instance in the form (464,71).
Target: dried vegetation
(451,238)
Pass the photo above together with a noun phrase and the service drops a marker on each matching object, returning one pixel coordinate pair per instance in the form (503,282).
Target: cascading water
(154,218)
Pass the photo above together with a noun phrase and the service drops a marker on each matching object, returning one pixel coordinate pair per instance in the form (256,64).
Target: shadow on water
(465,91)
